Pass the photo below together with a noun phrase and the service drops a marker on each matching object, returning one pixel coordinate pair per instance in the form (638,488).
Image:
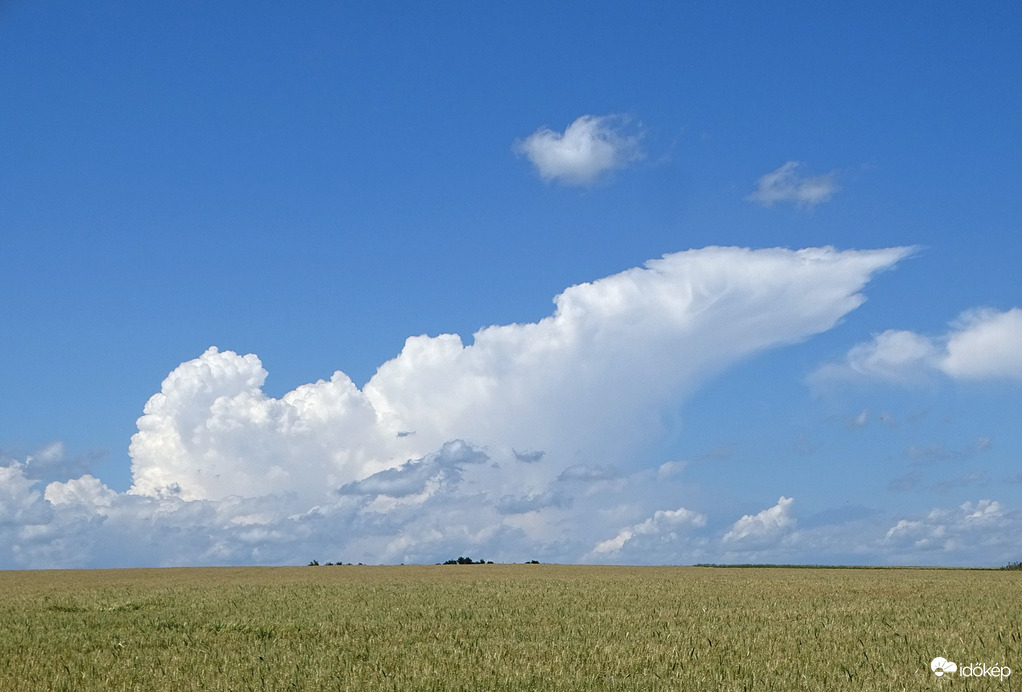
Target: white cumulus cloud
(662,527)
(787,184)
(986,344)
(581,155)
(525,440)
(982,344)
(766,525)
(983,526)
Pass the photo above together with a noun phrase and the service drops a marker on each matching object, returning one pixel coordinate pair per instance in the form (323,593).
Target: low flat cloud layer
(531,442)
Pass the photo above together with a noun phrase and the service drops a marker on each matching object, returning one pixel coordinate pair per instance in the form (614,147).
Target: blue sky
(315,185)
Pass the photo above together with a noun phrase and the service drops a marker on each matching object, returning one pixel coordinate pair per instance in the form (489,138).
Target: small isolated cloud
(662,527)
(985,344)
(929,454)
(973,477)
(588,474)
(906,482)
(894,355)
(786,184)
(859,421)
(770,524)
(529,457)
(588,149)
(671,469)
(982,345)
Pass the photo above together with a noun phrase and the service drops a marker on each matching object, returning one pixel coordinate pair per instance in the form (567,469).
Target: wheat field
(505,627)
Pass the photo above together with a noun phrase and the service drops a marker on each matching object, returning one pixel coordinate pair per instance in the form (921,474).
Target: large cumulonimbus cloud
(582,386)
(532,441)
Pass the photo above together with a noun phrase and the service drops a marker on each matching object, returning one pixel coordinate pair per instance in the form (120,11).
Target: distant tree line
(470,561)
(458,561)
